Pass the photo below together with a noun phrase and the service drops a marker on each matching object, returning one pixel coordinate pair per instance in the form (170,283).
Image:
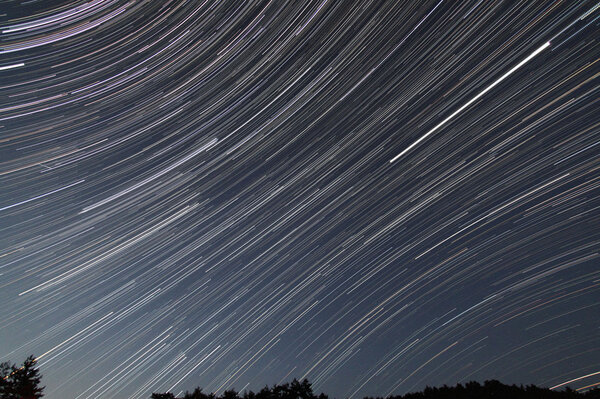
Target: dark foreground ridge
(24,382)
(472,390)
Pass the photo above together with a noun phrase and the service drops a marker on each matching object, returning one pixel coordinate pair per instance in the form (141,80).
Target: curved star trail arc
(201,193)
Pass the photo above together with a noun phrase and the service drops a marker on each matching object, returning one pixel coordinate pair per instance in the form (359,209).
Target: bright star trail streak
(4,67)
(374,195)
(471,101)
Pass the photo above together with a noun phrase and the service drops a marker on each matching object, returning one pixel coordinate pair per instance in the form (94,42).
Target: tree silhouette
(21,382)
(230,394)
(198,394)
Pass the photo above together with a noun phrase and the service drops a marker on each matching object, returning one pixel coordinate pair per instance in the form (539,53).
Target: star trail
(373,195)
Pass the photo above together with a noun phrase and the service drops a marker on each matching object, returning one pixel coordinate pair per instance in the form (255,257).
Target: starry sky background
(202,193)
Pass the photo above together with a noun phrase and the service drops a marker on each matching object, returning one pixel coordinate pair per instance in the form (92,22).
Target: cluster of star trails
(373,195)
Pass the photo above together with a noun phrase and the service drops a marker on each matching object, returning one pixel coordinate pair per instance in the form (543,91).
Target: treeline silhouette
(491,389)
(494,389)
(23,382)
(293,390)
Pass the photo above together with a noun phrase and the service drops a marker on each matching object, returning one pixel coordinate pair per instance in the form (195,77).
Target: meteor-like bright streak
(2,68)
(471,101)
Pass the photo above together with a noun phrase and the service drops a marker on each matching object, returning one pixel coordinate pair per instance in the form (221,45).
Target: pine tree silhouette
(21,382)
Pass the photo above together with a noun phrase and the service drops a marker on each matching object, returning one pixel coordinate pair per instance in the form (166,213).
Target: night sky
(373,195)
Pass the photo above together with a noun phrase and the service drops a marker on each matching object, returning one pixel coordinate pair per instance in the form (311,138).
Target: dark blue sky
(376,196)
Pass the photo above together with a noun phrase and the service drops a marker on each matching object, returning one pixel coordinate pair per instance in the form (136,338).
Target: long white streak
(2,68)
(41,196)
(471,101)
(575,379)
